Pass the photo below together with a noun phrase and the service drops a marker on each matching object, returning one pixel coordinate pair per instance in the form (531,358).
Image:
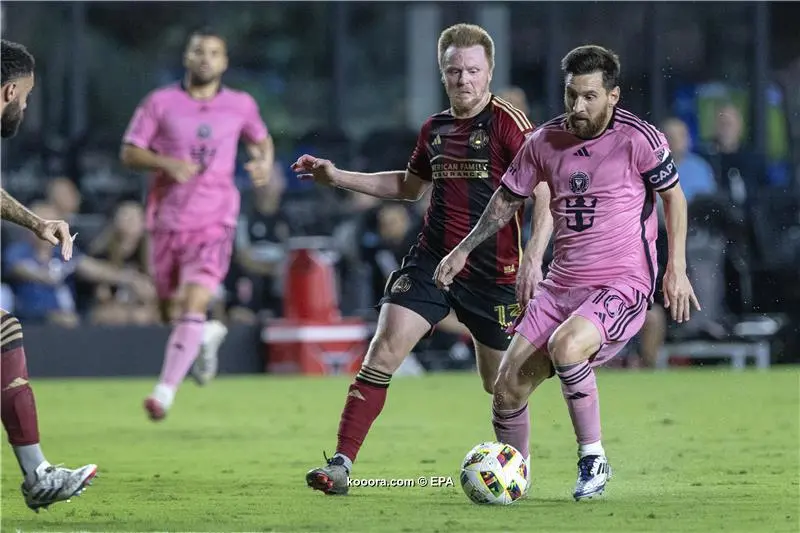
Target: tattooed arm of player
(15,212)
(500,210)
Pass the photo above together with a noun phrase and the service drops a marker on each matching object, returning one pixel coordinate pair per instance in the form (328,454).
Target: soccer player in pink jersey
(188,134)
(604,167)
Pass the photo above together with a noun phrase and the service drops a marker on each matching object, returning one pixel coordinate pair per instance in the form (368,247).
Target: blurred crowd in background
(744,239)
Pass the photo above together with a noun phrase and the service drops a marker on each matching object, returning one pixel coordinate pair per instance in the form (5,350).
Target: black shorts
(486,308)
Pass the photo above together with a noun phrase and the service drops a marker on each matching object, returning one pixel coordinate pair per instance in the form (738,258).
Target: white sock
(594,448)
(30,458)
(348,464)
(164,394)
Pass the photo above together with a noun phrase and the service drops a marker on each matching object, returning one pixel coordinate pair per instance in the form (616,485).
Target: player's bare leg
(182,348)
(488,361)
(399,330)
(522,369)
(44,484)
(570,347)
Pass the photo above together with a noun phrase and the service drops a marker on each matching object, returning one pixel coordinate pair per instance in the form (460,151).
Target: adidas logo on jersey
(583,152)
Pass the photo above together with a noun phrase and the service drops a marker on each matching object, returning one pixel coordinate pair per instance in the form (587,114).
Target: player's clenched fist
(310,167)
(449,267)
(181,171)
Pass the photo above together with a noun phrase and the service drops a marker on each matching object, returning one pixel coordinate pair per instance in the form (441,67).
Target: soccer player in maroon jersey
(462,153)
(604,167)
(44,484)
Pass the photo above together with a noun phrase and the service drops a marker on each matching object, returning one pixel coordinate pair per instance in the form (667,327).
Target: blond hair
(465,36)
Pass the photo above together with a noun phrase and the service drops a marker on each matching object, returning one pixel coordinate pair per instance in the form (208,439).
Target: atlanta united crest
(579,182)
(478,139)
(403,284)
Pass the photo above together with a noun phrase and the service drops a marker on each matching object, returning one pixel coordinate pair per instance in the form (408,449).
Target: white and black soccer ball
(494,473)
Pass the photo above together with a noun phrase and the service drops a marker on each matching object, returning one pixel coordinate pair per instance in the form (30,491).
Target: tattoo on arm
(15,212)
(501,208)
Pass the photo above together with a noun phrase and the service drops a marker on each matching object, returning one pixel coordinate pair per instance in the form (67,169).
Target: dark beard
(196,80)
(587,129)
(11,120)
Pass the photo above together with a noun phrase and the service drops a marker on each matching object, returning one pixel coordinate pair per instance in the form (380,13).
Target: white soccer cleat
(593,474)
(56,484)
(205,366)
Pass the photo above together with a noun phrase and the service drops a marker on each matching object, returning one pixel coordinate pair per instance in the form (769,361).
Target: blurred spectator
(255,281)
(696,174)
(43,284)
(740,171)
(387,235)
(64,197)
(124,247)
(516,97)
(6,298)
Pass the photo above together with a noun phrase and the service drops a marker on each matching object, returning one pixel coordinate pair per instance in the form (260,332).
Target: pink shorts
(201,256)
(617,311)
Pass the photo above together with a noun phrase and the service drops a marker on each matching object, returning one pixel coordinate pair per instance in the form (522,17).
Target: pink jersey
(603,194)
(171,123)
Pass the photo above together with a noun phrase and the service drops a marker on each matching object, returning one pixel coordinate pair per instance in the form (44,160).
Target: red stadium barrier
(313,338)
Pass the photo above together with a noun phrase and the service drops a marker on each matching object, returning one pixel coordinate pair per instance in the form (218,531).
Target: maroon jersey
(466,159)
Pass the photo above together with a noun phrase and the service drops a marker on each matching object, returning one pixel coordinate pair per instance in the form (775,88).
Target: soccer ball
(494,473)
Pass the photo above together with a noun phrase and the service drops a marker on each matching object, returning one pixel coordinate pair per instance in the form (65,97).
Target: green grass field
(692,451)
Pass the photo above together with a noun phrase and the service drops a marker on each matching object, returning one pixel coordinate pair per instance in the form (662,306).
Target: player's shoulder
(548,131)
(505,111)
(160,97)
(638,130)
(239,95)
(440,117)
(165,91)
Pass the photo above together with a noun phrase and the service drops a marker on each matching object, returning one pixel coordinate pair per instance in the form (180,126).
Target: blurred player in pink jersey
(188,134)
(603,166)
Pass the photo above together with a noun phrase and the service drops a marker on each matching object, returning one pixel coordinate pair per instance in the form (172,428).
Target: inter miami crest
(579,182)
(478,139)
(580,210)
(204,131)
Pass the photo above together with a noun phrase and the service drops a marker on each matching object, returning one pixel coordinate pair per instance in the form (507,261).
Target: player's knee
(385,354)
(506,395)
(488,383)
(196,299)
(508,390)
(564,347)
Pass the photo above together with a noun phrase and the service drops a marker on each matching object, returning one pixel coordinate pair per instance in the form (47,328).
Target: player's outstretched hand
(528,278)
(56,232)
(449,267)
(182,171)
(313,168)
(679,295)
